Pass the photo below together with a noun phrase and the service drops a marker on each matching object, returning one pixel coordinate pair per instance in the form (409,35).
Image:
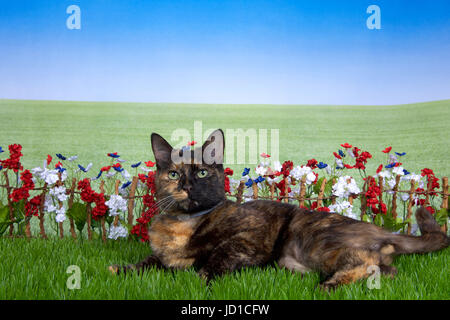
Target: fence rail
(300,198)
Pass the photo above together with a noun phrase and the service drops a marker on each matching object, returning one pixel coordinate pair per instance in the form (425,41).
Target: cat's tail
(431,239)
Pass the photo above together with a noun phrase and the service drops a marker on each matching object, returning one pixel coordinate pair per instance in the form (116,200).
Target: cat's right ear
(162,151)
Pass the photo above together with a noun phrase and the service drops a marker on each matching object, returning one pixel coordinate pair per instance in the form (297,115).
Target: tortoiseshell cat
(201,228)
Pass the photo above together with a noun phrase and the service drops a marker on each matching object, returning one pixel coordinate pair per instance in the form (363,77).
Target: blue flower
(60,156)
(341,153)
(406,172)
(249,183)
(400,154)
(1,167)
(82,169)
(1,150)
(125,185)
(118,169)
(259,179)
(321,165)
(136,164)
(61,169)
(113,155)
(245,172)
(98,176)
(390,165)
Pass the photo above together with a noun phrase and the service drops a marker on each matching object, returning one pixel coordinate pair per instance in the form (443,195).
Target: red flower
(104,169)
(427,172)
(312,163)
(228,172)
(380,168)
(117,165)
(49,159)
(149,164)
(337,155)
(387,150)
(325,209)
(13,162)
(430,209)
(346,146)
(286,168)
(348,166)
(191,143)
(58,165)
(264,155)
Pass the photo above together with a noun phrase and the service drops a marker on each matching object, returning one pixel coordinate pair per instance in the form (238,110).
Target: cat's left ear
(162,151)
(213,148)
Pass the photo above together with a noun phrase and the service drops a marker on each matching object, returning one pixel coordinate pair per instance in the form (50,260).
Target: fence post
(131,200)
(363,200)
(444,204)
(116,192)
(380,183)
(333,198)
(102,219)
(240,191)
(41,213)
(60,203)
(350,197)
(272,190)
(88,220)
(301,200)
(10,205)
(286,189)
(70,203)
(255,190)
(394,197)
(321,191)
(410,205)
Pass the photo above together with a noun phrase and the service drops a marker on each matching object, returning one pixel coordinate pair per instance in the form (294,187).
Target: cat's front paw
(114,269)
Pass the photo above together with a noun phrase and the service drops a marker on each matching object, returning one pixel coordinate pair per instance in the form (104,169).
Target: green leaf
(441,216)
(4,219)
(78,213)
(19,210)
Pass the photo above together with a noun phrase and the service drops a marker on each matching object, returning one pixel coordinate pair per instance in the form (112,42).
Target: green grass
(36,269)
(90,130)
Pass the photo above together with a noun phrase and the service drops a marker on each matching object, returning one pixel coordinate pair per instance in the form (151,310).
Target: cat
(199,227)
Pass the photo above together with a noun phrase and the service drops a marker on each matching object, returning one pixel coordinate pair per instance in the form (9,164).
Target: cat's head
(189,181)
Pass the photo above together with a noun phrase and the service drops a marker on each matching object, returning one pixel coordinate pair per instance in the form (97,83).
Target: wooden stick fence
(239,196)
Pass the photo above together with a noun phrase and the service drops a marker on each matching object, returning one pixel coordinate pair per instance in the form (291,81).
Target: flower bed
(61,189)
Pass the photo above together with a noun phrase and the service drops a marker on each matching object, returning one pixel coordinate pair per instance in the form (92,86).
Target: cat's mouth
(188,205)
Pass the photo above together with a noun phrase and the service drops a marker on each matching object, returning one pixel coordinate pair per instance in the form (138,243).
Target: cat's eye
(173,175)
(202,173)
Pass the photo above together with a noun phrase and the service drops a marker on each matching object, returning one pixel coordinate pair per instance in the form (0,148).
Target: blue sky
(230,51)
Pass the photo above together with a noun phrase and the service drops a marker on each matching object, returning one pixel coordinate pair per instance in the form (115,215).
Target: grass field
(37,268)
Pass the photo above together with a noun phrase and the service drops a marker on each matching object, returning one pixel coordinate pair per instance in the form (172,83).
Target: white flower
(299,172)
(339,163)
(59,193)
(350,153)
(72,158)
(344,208)
(145,169)
(60,217)
(117,232)
(125,174)
(343,189)
(260,170)
(116,204)
(310,178)
(398,171)
(384,174)
(328,169)
(111,174)
(277,166)
(404,197)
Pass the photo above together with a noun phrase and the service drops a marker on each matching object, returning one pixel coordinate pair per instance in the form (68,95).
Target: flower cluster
(13,162)
(90,196)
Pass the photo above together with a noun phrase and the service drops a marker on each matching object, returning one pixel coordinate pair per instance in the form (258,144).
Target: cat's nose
(187,188)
